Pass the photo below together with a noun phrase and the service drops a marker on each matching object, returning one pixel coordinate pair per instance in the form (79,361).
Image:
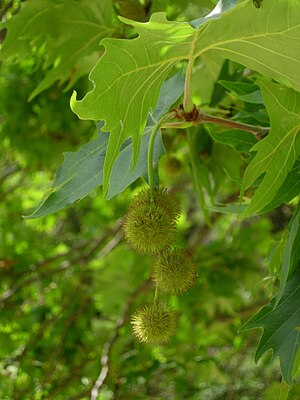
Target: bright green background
(69,283)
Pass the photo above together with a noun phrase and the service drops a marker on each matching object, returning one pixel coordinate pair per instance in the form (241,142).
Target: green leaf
(232,208)
(246,92)
(82,171)
(291,254)
(122,175)
(221,7)
(182,8)
(128,78)
(205,74)
(239,140)
(67,31)
(131,71)
(281,327)
(277,153)
(265,40)
(288,191)
(254,114)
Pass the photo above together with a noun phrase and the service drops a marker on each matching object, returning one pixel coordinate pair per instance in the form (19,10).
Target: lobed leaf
(291,255)
(265,39)
(82,171)
(288,191)
(281,327)
(127,79)
(277,153)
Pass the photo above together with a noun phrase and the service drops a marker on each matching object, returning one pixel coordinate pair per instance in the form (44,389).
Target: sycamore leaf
(122,174)
(68,31)
(128,77)
(205,75)
(277,153)
(281,327)
(82,171)
(265,40)
(288,191)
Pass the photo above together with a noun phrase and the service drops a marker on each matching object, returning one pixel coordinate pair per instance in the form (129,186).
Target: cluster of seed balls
(150,227)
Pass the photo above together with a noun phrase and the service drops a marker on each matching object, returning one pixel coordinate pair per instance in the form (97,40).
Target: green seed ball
(150,223)
(173,271)
(154,323)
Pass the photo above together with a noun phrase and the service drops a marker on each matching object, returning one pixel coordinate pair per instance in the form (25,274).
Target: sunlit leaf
(260,41)
(276,153)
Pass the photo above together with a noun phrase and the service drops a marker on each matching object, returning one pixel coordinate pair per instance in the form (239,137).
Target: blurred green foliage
(69,283)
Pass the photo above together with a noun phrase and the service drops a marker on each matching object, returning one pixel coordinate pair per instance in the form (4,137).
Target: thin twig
(80,258)
(197,117)
(258,131)
(107,348)
(8,171)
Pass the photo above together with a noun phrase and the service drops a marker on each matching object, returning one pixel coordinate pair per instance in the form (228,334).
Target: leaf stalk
(150,150)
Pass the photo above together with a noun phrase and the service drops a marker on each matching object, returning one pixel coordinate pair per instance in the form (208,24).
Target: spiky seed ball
(150,223)
(154,323)
(173,271)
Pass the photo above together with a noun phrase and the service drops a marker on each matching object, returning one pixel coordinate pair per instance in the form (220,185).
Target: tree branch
(80,258)
(258,131)
(107,348)
(197,117)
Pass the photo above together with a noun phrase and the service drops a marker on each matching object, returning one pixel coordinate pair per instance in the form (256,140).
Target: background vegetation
(69,282)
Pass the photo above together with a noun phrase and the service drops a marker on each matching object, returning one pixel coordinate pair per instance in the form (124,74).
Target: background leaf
(66,32)
(239,140)
(248,92)
(221,7)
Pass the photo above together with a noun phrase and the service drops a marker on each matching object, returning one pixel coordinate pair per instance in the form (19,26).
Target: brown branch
(197,117)
(8,171)
(258,131)
(107,348)
(53,362)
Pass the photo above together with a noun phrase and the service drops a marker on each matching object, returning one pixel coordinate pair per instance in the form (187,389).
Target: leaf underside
(82,171)
(281,327)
